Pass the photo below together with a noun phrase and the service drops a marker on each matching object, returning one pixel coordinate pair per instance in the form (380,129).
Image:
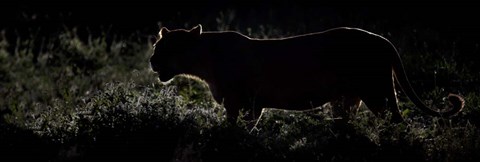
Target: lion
(301,72)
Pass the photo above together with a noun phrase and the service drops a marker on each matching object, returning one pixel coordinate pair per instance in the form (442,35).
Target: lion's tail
(457,101)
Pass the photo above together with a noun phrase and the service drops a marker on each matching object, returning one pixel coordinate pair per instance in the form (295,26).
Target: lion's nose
(152,65)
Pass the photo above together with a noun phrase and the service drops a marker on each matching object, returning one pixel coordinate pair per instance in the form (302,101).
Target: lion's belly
(297,93)
(311,85)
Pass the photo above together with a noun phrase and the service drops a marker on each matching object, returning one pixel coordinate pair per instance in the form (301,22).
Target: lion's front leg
(346,106)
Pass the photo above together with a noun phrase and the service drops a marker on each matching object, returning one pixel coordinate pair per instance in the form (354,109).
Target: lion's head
(174,52)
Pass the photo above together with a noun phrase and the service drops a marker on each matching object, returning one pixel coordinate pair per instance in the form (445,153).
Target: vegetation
(79,99)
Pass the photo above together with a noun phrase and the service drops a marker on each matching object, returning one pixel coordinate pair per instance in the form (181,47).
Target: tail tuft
(458,103)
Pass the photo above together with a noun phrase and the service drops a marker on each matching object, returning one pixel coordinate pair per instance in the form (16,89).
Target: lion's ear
(163,30)
(197,29)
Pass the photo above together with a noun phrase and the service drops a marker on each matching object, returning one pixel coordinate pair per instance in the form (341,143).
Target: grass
(77,100)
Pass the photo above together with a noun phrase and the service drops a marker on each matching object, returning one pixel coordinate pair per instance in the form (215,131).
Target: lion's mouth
(164,77)
(154,67)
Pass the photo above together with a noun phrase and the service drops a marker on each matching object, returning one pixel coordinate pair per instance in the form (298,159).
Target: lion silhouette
(296,73)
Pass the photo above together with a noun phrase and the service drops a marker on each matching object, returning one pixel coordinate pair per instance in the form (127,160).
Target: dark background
(455,21)
(451,18)
(446,28)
